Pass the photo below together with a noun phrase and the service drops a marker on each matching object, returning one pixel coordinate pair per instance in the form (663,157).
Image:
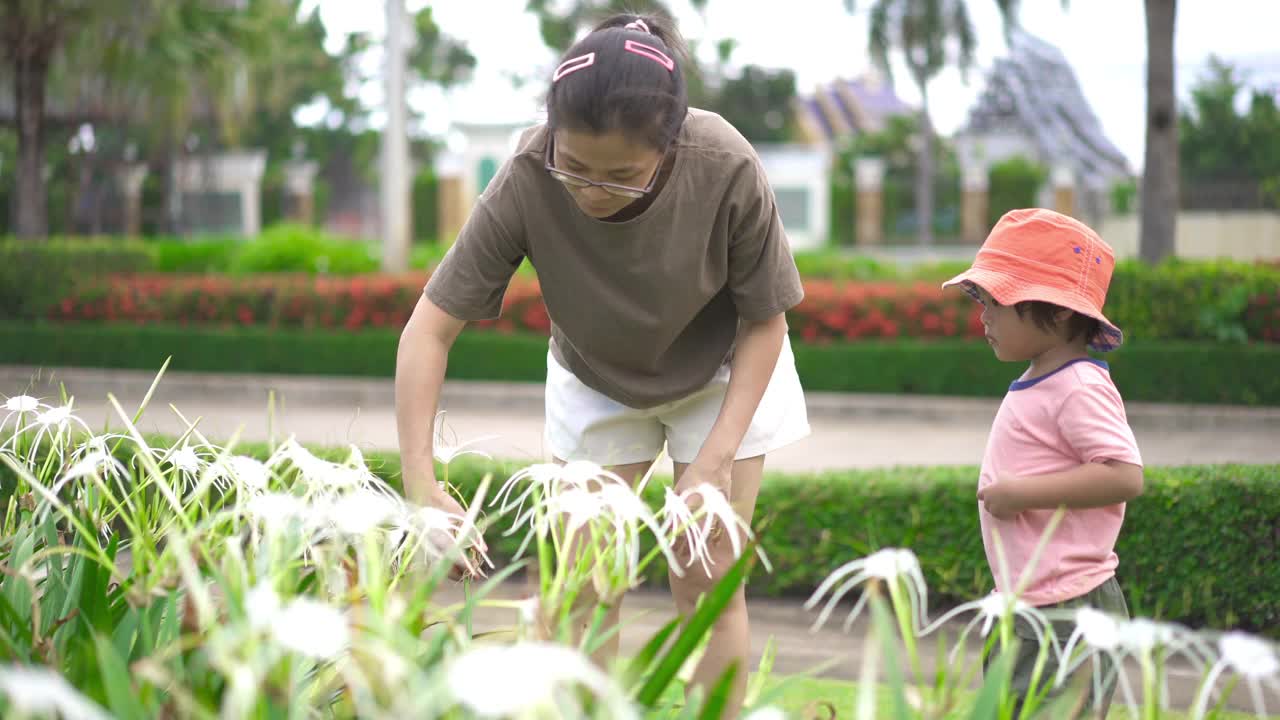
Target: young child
(1061,437)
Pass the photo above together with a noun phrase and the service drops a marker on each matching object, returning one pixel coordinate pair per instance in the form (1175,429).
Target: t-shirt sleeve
(763,279)
(471,280)
(1092,421)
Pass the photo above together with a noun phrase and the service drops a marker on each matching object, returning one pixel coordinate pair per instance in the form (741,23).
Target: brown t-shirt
(645,310)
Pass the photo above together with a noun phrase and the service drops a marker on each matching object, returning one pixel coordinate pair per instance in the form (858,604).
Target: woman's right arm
(420,365)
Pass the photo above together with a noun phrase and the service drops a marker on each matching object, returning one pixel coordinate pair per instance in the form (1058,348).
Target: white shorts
(583,424)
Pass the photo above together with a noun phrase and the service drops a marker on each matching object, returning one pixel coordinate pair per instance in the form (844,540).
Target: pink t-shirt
(1051,424)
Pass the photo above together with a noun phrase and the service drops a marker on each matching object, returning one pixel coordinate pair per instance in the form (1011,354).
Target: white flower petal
(1248,655)
(22,404)
(532,675)
(40,691)
(262,605)
(312,628)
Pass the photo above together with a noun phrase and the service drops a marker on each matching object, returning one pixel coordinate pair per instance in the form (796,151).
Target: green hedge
(1201,545)
(35,275)
(1153,372)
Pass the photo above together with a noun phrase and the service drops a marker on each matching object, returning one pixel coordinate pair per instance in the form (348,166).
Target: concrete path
(849,431)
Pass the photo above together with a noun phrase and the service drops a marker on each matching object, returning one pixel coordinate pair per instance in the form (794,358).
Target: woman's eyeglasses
(577,181)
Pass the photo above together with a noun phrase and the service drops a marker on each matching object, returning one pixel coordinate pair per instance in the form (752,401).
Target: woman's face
(610,157)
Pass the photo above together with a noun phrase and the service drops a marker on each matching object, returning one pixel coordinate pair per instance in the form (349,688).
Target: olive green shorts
(1107,598)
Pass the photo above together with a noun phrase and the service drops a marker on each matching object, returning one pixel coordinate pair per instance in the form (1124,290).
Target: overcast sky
(1104,40)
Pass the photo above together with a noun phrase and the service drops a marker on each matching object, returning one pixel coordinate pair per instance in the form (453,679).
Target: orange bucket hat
(1037,254)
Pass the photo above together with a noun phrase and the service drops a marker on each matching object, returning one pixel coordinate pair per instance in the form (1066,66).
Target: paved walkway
(849,431)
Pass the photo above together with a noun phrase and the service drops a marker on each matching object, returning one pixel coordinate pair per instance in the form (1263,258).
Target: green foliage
(1218,144)
(426,206)
(35,275)
(757,102)
(1014,183)
(894,144)
(1198,547)
(207,254)
(1144,371)
(1124,197)
(294,248)
(1184,300)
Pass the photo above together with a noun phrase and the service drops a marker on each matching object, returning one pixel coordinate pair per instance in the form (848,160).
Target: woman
(666,274)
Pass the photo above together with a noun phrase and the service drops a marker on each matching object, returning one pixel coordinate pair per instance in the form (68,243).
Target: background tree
(1160,157)
(930,35)
(1219,146)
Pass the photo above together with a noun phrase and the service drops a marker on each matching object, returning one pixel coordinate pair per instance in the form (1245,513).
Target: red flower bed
(830,311)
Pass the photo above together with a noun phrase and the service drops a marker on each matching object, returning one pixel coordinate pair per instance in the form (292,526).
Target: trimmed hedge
(1175,301)
(36,274)
(1201,546)
(1152,372)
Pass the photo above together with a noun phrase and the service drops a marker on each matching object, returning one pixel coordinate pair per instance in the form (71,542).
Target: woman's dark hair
(1045,316)
(623,90)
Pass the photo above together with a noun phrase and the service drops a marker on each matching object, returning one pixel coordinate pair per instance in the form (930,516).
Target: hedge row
(34,276)
(829,311)
(1201,546)
(1152,372)
(1166,304)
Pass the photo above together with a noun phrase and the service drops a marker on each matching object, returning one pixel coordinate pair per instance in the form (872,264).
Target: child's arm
(1092,422)
(1088,485)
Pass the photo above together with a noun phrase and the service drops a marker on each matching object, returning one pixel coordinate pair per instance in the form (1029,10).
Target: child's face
(1013,337)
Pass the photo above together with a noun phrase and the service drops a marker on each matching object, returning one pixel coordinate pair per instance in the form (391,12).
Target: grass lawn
(800,697)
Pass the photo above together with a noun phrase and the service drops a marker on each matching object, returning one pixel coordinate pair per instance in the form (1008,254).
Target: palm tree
(930,34)
(1160,159)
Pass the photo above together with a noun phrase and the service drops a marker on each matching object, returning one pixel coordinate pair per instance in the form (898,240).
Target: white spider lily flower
(360,512)
(185,460)
(887,565)
(446,453)
(549,478)
(992,609)
(714,507)
(58,417)
(21,404)
(41,691)
(262,606)
(435,533)
(679,523)
(1102,634)
(277,510)
(55,423)
(92,463)
(18,408)
(1255,660)
(446,450)
(243,473)
(312,628)
(324,477)
(534,676)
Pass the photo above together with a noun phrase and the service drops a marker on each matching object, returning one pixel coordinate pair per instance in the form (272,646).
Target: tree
(930,34)
(145,64)
(1218,146)
(1160,158)
(34,34)
(757,102)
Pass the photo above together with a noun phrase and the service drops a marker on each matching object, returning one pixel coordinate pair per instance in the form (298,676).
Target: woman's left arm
(754,358)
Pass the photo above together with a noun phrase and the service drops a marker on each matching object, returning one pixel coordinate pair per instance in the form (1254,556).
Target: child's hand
(999,499)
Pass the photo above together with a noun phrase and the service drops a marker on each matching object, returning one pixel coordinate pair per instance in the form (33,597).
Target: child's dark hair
(623,90)
(1045,316)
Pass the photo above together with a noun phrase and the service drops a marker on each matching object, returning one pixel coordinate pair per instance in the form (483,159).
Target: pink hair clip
(638,24)
(573,65)
(650,52)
